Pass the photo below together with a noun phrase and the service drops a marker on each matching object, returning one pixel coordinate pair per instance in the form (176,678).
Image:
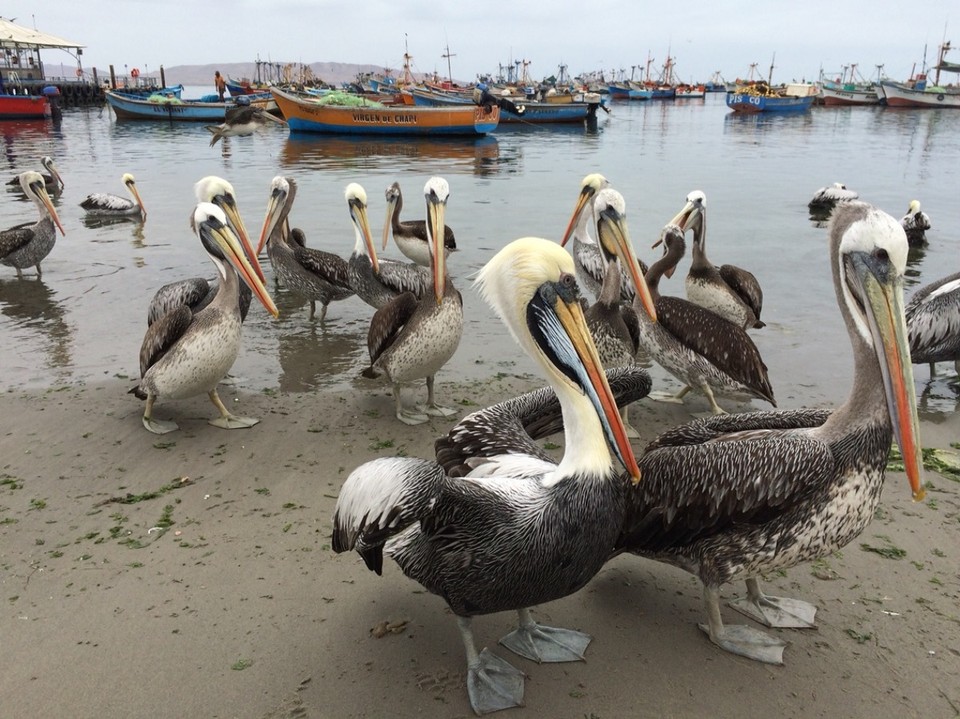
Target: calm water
(85,319)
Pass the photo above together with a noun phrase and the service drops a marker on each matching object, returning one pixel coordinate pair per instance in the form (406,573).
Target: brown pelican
(915,223)
(698,347)
(730,291)
(184,354)
(507,543)
(411,236)
(933,321)
(587,256)
(377,281)
(198,292)
(412,337)
(826,198)
(242,120)
(102,204)
(740,496)
(51,179)
(26,245)
(315,274)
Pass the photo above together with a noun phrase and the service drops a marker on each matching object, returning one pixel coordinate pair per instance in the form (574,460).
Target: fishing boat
(307,114)
(848,89)
(917,92)
(24,107)
(169,107)
(754,96)
(575,110)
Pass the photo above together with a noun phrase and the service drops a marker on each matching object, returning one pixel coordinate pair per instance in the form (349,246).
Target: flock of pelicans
(493,523)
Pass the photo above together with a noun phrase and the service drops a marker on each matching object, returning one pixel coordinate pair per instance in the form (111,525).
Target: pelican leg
(432,408)
(155,425)
(738,638)
(226,420)
(545,644)
(323,311)
(714,407)
(313,309)
(625,416)
(39,271)
(933,365)
(775,611)
(405,415)
(671,398)
(492,683)
(19,273)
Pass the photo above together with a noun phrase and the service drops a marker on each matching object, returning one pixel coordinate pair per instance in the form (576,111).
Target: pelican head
(131,185)
(589,187)
(869,254)
(693,216)
(34,187)
(671,237)
(220,192)
(281,191)
(435,192)
(220,242)
(531,285)
(48,165)
(914,207)
(393,199)
(356,198)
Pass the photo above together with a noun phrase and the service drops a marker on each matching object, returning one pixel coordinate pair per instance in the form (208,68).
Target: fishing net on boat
(337,97)
(165,99)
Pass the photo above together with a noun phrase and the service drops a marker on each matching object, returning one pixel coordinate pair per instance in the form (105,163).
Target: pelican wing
(16,237)
(418,228)
(405,277)
(162,335)
(325,265)
(106,201)
(632,322)
(190,293)
(718,426)
(388,322)
(933,321)
(745,285)
(380,499)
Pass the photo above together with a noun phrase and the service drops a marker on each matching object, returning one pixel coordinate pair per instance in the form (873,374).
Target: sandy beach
(191,575)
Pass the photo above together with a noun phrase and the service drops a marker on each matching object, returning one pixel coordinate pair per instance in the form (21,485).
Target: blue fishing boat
(527,111)
(762,98)
(170,107)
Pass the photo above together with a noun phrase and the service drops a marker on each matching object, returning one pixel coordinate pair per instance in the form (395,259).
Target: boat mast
(448,55)
(407,78)
(770,76)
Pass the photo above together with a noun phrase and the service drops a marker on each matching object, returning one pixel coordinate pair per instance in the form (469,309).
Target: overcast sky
(704,37)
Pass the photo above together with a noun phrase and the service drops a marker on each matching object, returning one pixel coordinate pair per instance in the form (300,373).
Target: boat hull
(304,115)
(838,97)
(533,112)
(23,107)
(899,95)
(742,102)
(128,107)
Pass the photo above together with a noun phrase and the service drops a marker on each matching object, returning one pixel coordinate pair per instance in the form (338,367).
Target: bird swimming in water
(826,198)
(52,179)
(412,338)
(411,236)
(242,120)
(185,354)
(26,245)
(198,292)
(933,321)
(730,291)
(507,543)
(915,223)
(103,204)
(312,273)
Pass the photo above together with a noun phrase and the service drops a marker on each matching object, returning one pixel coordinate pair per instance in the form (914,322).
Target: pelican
(184,354)
(315,274)
(413,337)
(102,204)
(51,179)
(730,291)
(915,223)
(698,347)
(242,120)
(826,198)
(507,543)
(411,236)
(198,292)
(377,281)
(933,321)
(26,245)
(587,256)
(740,496)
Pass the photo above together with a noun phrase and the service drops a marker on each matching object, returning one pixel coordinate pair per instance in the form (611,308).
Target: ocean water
(84,320)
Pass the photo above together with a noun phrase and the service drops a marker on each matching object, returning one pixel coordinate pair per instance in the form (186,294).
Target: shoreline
(191,574)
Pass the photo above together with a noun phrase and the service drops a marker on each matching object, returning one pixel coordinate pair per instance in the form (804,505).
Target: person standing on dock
(220,83)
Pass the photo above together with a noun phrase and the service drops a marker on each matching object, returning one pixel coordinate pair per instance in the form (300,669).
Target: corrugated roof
(12,34)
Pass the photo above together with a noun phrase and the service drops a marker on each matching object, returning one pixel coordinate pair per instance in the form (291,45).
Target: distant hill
(333,73)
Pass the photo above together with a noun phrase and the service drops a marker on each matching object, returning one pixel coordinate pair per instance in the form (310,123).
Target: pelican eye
(881,254)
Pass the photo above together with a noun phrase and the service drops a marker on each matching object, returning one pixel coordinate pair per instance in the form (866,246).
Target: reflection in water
(34,316)
(748,124)
(479,155)
(315,354)
(135,221)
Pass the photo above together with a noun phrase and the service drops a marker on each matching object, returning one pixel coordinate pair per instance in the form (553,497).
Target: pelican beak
(270,220)
(391,205)
(41,192)
(225,238)
(586,194)
(229,206)
(435,225)
(136,196)
(267,116)
(690,216)
(358,214)
(556,320)
(614,240)
(883,307)
(58,181)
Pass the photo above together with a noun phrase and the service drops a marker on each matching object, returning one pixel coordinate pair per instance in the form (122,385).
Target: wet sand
(191,575)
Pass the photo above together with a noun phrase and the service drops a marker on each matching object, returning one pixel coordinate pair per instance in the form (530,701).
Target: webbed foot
(494,684)
(547,644)
(748,642)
